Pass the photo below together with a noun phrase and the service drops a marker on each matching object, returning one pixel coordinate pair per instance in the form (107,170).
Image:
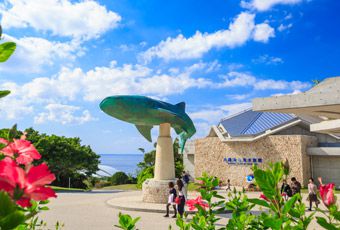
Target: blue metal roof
(252,122)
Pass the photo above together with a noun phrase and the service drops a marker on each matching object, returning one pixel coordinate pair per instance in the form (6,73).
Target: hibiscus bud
(262,196)
(327,194)
(285,165)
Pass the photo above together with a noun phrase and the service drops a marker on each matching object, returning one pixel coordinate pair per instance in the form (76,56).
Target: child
(171,200)
(228,185)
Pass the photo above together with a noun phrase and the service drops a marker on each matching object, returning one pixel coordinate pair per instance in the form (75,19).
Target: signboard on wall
(242,161)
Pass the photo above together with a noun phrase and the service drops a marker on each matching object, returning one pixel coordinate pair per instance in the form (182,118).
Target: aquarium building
(307,137)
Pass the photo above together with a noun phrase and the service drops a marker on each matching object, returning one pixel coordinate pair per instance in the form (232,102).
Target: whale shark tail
(183,137)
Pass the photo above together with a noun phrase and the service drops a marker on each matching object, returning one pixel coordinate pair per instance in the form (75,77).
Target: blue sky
(214,55)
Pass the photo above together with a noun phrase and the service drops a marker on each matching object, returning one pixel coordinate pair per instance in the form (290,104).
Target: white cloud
(63,114)
(214,115)
(238,96)
(288,16)
(237,79)
(82,20)
(76,85)
(241,30)
(206,117)
(14,108)
(284,27)
(280,85)
(268,60)
(263,5)
(263,32)
(33,53)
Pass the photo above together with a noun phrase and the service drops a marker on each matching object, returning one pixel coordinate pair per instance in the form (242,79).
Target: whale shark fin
(145,130)
(181,105)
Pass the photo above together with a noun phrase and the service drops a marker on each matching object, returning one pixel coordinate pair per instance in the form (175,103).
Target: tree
(65,156)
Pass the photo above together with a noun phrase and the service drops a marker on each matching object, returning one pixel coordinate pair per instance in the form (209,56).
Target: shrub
(143,175)
(119,178)
(102,183)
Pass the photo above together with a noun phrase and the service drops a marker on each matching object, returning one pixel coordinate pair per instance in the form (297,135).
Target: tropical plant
(23,190)
(276,213)
(205,217)
(126,222)
(331,217)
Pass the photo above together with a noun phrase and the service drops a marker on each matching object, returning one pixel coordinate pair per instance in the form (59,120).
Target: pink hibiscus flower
(327,194)
(22,186)
(198,201)
(23,151)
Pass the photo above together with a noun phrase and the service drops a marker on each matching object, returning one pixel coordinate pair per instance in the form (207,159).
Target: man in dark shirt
(295,186)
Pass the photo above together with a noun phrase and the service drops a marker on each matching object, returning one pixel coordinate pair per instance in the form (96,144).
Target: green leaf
(322,222)
(272,223)
(259,202)
(266,182)
(10,217)
(289,204)
(4,93)
(2,145)
(12,220)
(6,50)
(336,215)
(6,204)
(44,202)
(219,196)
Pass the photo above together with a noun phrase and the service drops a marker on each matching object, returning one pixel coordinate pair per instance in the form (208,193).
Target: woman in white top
(312,191)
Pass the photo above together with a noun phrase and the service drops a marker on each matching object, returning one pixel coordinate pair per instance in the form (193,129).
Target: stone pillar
(164,163)
(156,190)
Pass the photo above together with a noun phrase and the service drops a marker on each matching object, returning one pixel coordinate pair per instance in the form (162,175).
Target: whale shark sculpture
(145,112)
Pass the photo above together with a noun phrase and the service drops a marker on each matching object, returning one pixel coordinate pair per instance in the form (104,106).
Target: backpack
(186,179)
(289,191)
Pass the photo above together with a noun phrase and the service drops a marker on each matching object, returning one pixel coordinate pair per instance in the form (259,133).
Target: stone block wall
(210,152)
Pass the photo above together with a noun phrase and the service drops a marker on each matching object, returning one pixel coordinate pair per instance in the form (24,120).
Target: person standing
(312,191)
(286,191)
(181,197)
(171,200)
(295,186)
(186,180)
(228,185)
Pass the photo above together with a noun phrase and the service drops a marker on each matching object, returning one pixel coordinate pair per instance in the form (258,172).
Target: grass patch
(62,189)
(121,187)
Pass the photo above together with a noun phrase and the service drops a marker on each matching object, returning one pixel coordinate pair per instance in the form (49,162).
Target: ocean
(111,163)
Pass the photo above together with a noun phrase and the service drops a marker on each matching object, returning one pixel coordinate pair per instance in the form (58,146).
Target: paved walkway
(82,211)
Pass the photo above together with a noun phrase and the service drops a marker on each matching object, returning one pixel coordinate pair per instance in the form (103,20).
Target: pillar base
(156,191)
